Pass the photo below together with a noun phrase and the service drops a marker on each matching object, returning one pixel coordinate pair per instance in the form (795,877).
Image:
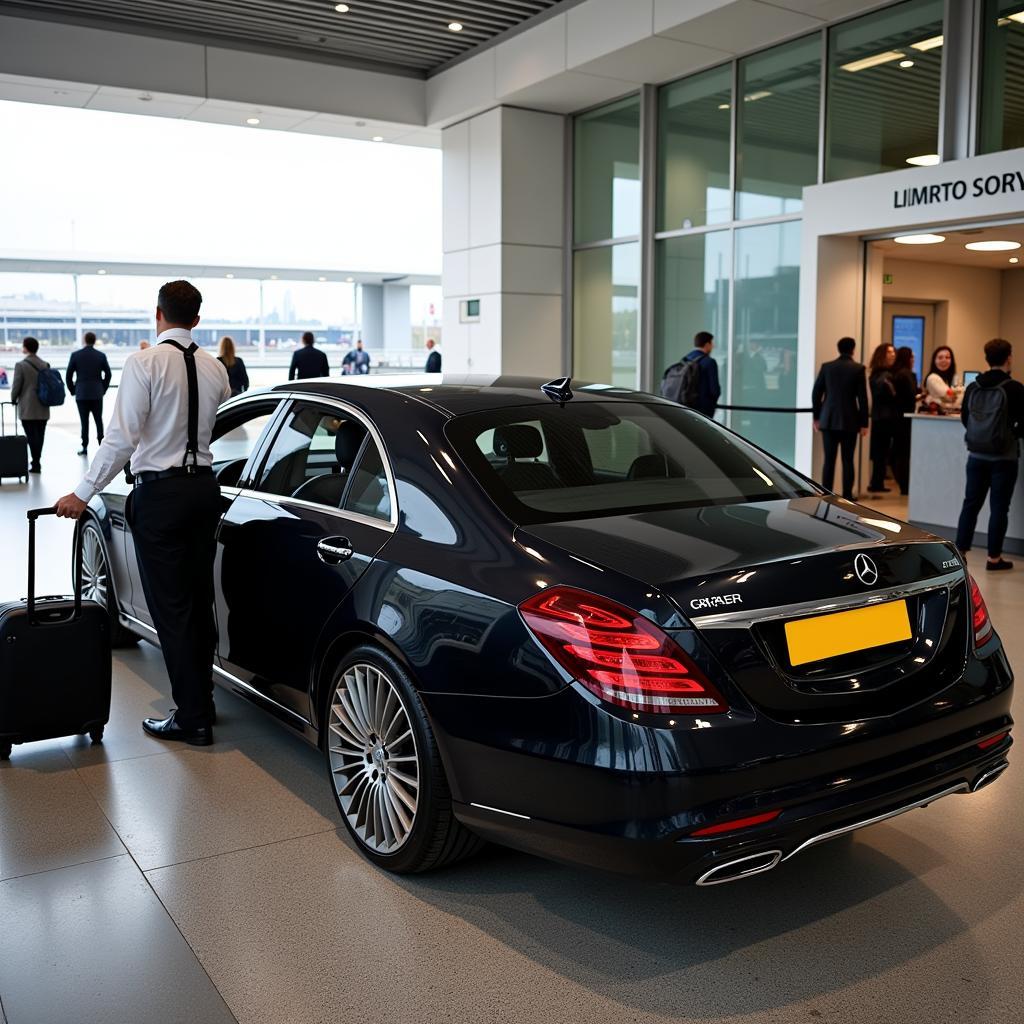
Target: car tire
(97,584)
(385,770)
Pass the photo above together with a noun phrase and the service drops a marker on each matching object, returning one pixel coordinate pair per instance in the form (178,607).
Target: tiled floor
(141,883)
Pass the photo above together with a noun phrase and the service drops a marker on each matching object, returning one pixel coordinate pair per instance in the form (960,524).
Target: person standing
(308,361)
(25,394)
(693,381)
(938,390)
(905,382)
(163,422)
(884,414)
(433,358)
(840,406)
(88,378)
(237,377)
(356,360)
(993,413)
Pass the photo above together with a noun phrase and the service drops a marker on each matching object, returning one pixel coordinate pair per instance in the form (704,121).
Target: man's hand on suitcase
(70,506)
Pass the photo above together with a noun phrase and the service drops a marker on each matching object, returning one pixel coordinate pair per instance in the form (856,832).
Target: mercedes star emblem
(866,570)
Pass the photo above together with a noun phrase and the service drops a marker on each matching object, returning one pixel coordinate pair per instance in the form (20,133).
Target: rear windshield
(546,463)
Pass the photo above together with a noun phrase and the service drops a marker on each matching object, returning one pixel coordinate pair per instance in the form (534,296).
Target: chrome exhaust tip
(987,777)
(741,867)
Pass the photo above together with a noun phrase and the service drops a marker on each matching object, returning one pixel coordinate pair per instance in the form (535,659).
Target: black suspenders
(192,443)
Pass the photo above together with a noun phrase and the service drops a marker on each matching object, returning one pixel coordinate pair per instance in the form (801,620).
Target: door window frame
(275,404)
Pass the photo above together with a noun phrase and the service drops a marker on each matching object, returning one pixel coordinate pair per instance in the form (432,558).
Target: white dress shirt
(150,421)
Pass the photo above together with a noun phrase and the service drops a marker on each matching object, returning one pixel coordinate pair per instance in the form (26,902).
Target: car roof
(456,394)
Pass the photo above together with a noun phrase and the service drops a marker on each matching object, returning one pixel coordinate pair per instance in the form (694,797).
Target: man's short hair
(89,338)
(703,338)
(997,351)
(846,346)
(31,345)
(307,338)
(179,302)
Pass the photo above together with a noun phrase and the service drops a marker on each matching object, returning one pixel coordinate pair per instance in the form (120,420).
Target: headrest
(518,441)
(347,441)
(646,466)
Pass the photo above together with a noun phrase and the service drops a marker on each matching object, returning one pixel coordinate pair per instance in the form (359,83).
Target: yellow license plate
(828,636)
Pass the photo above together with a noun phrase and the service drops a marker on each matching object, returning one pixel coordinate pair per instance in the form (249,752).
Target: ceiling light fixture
(1015,259)
(349,280)
(870,62)
(341,8)
(919,239)
(1018,17)
(931,43)
(754,96)
(906,64)
(273,277)
(252,120)
(378,138)
(100,271)
(321,278)
(229,275)
(925,160)
(454,26)
(996,245)
(724,106)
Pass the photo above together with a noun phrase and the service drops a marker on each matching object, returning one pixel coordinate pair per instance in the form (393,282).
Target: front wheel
(97,585)
(385,769)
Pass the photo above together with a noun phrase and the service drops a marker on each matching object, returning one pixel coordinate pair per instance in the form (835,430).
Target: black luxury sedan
(581,621)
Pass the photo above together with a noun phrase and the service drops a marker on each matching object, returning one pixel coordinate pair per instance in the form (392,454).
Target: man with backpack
(693,381)
(993,413)
(35,389)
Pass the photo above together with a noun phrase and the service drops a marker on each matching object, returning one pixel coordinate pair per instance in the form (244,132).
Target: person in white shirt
(938,385)
(163,421)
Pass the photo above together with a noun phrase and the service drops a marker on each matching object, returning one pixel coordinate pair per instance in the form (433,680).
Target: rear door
(294,542)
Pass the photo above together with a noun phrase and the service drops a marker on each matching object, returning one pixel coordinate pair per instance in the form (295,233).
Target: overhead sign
(959,188)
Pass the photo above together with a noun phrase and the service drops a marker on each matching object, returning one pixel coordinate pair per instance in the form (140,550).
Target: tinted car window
(591,458)
(368,492)
(235,437)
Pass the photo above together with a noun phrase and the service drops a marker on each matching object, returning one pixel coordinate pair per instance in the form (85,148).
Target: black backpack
(681,382)
(989,431)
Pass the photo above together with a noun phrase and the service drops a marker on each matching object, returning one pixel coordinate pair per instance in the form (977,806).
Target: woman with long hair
(237,377)
(905,385)
(938,385)
(884,414)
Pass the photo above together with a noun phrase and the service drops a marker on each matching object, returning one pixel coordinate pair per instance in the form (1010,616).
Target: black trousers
(882,434)
(834,440)
(90,407)
(174,522)
(35,431)
(901,454)
(984,475)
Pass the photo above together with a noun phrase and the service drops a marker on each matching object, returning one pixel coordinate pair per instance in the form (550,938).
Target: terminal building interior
(628,653)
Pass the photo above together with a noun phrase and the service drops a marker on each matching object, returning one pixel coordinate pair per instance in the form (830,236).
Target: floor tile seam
(240,849)
(65,867)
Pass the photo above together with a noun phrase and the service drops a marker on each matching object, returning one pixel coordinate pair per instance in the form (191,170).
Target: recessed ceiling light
(928,44)
(146,98)
(100,271)
(321,278)
(273,277)
(1018,17)
(349,279)
(925,160)
(870,62)
(993,246)
(906,63)
(341,8)
(755,96)
(252,120)
(454,26)
(229,275)
(1015,259)
(919,239)
(378,138)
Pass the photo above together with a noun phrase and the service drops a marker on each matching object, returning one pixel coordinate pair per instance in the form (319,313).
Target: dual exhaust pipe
(764,860)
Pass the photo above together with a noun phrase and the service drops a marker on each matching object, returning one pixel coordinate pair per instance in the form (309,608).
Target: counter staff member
(163,420)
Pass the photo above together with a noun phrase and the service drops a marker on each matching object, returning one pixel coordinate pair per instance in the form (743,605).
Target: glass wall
(777,128)
(694,126)
(884,81)
(1002,84)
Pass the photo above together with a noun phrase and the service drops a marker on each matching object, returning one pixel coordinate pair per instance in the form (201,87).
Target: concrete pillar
(504,223)
(397,327)
(371,326)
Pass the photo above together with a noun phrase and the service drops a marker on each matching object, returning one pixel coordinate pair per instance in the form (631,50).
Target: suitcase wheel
(5,751)
(96,735)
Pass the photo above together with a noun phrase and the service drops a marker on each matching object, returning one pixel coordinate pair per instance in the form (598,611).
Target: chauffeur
(163,421)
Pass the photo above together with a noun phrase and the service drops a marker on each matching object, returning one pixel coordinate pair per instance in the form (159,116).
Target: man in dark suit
(308,361)
(840,403)
(433,359)
(88,379)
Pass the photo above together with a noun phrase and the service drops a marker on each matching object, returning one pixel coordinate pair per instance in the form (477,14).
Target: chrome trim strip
(987,777)
(355,517)
(708,877)
(498,810)
(960,787)
(235,681)
(138,622)
(748,617)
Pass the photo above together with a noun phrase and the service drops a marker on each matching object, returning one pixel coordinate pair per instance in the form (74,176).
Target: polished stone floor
(140,882)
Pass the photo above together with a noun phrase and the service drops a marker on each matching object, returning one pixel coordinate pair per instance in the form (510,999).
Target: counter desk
(938,459)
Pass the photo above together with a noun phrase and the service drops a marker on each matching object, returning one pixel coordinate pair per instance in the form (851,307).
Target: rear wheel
(385,769)
(97,585)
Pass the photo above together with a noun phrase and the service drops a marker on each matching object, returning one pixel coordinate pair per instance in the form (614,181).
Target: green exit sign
(887,279)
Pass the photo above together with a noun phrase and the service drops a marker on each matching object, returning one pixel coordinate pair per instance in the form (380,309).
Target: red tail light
(979,616)
(993,740)
(736,824)
(618,654)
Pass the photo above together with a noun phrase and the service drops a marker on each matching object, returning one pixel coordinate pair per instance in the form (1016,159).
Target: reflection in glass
(606,311)
(883,95)
(764,334)
(606,159)
(777,128)
(692,294)
(1002,86)
(694,120)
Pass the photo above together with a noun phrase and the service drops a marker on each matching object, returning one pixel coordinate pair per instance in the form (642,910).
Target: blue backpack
(50,387)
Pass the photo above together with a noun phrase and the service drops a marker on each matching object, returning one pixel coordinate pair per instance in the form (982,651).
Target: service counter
(938,459)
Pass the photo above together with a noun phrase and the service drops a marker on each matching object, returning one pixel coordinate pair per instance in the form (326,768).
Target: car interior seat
(521,441)
(329,488)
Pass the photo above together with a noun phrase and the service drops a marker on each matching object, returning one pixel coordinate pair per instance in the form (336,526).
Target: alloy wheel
(373,758)
(95,581)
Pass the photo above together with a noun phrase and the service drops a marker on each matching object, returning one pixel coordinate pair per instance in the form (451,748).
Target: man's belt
(163,474)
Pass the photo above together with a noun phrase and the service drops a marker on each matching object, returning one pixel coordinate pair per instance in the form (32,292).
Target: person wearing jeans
(992,473)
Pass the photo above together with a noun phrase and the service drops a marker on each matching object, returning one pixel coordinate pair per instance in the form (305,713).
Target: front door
(294,542)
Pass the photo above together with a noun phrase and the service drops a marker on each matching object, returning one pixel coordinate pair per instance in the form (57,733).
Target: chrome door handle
(333,550)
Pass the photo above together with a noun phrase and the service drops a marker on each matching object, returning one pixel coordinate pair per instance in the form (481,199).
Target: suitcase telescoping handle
(3,418)
(33,514)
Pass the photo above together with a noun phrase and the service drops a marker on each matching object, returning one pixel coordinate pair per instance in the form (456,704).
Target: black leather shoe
(84,451)
(168,729)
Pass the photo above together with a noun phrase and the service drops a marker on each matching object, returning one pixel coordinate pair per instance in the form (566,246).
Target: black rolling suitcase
(13,448)
(54,660)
